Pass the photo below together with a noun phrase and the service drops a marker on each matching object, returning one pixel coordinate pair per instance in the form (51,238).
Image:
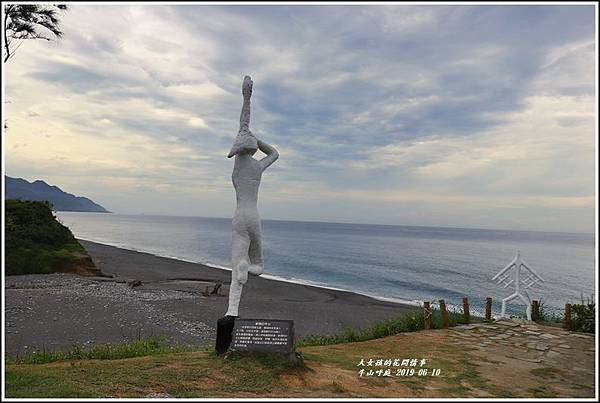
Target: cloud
(439,109)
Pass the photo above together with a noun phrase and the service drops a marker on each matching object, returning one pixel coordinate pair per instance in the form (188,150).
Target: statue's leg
(255,251)
(239,270)
(239,256)
(235,293)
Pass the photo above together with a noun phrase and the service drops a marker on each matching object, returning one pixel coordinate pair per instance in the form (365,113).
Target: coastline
(59,311)
(265,275)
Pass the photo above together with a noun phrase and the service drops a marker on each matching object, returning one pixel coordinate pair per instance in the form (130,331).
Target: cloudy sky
(462,116)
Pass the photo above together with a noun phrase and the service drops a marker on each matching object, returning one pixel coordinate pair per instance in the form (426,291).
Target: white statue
(505,278)
(246,248)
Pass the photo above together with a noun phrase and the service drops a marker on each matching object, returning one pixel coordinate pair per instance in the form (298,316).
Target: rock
(462,334)
(466,327)
(583,336)
(537,360)
(506,323)
(542,347)
(553,354)
(564,346)
(548,336)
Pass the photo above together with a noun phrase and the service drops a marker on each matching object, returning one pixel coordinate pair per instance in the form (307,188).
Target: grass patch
(253,372)
(107,351)
(407,322)
(547,372)
(542,391)
(186,374)
(337,388)
(321,371)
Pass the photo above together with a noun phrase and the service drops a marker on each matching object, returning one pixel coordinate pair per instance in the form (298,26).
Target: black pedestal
(224,331)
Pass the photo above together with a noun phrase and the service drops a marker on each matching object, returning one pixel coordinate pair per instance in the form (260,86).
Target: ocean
(400,263)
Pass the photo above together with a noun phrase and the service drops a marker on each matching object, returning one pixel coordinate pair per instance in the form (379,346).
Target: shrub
(35,241)
(546,315)
(583,316)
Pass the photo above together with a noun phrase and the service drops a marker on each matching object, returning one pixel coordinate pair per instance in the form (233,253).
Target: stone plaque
(271,335)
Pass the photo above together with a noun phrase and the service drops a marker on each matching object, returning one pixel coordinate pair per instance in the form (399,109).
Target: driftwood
(216,290)
(134,283)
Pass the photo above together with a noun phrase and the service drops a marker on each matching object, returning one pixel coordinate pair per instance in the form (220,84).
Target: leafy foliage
(35,241)
(583,316)
(30,21)
(408,322)
(546,315)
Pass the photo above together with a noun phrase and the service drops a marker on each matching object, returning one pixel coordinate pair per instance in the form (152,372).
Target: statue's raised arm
(245,142)
(247,93)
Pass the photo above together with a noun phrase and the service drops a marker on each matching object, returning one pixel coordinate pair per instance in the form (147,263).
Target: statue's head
(245,143)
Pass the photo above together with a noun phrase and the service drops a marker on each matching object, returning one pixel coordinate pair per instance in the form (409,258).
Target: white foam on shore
(328,287)
(264,275)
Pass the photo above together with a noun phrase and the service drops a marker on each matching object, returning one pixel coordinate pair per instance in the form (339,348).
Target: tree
(30,21)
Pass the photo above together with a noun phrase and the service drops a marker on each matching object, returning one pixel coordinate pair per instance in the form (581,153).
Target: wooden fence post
(444,313)
(427,315)
(488,308)
(567,316)
(535,310)
(466,314)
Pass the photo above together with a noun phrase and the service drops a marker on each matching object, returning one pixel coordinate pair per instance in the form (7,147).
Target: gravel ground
(58,311)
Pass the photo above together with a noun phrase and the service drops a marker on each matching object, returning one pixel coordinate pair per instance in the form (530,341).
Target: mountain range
(17,188)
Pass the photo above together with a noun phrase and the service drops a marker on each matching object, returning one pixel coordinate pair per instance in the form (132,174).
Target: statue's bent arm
(271,152)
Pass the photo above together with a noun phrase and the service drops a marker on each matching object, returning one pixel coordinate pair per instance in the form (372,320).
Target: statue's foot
(242,272)
(255,269)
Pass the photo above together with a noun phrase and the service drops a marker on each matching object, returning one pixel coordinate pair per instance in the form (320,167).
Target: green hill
(37,243)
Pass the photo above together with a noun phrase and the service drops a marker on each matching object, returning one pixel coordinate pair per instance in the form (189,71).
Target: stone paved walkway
(565,358)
